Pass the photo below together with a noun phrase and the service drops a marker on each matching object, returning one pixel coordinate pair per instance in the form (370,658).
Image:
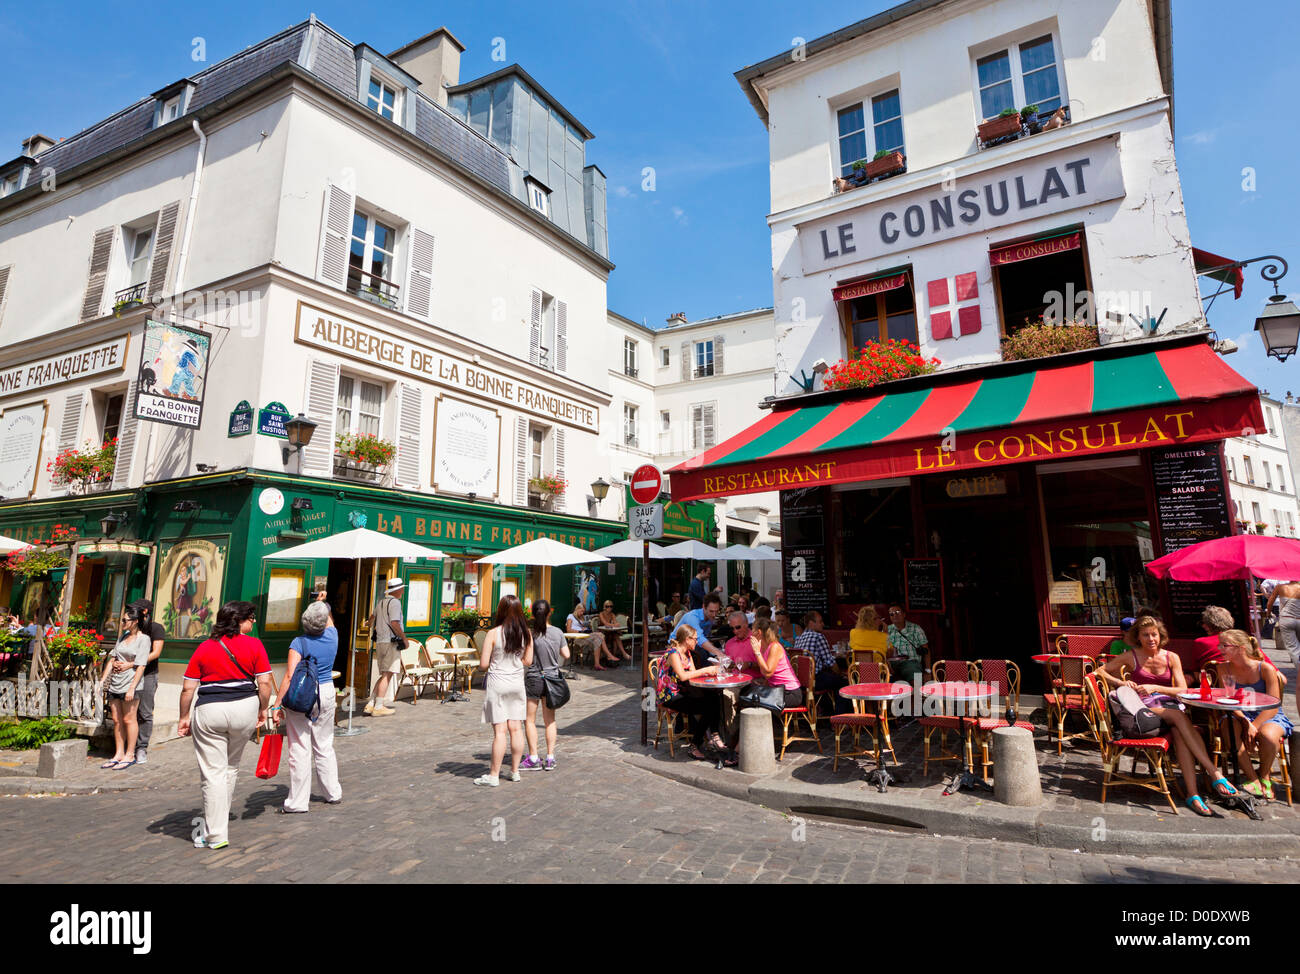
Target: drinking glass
(1229,684)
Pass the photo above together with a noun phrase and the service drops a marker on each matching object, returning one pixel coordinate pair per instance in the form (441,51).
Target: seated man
(830,670)
(1118,647)
(907,640)
(675,606)
(701,620)
(595,641)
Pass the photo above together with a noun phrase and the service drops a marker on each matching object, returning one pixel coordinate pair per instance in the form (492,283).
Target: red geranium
(877,362)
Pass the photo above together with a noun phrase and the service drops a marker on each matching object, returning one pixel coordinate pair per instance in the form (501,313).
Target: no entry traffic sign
(647,482)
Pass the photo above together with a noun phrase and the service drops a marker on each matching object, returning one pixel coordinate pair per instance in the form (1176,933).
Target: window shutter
(558,503)
(101,251)
(164,234)
(322,400)
(535,329)
(409,407)
(335,237)
(70,431)
(686,361)
(708,426)
(4,288)
(719,343)
(126,440)
(561,336)
(521,460)
(419,273)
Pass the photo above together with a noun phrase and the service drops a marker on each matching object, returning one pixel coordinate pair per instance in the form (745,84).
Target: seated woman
(1264,730)
(701,707)
(868,636)
(785,629)
(1158,679)
(773,665)
(608,618)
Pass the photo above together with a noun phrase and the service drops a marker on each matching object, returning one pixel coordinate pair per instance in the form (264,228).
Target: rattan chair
(946,671)
(1004,676)
(666,714)
(1067,695)
(804,669)
(1154,749)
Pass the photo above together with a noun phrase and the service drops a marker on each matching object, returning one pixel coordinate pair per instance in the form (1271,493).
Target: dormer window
(382,98)
(539,197)
(171,110)
(8,184)
(172,102)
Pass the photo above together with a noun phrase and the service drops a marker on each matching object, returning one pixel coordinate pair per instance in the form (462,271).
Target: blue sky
(654,81)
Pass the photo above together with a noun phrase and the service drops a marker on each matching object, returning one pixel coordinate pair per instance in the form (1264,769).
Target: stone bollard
(60,758)
(1016,780)
(757,743)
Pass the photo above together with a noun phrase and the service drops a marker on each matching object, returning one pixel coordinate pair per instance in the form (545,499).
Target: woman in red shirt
(232,676)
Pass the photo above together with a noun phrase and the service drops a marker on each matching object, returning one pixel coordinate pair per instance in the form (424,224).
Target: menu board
(923,578)
(1191,506)
(803,550)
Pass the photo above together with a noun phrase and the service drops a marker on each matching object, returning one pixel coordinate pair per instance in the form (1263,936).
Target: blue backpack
(303,693)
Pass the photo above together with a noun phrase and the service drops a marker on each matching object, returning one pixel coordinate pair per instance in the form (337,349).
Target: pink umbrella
(1243,556)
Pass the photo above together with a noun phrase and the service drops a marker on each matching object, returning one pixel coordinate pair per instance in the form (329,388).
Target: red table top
(876,691)
(1219,700)
(739,680)
(959,690)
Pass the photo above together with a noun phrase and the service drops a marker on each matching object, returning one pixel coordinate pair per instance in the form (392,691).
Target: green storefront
(192,544)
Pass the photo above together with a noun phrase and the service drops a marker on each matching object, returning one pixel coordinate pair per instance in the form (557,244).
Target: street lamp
(109,522)
(300,429)
(600,489)
(1279,326)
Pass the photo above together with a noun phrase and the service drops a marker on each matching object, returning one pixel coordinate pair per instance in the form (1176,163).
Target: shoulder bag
(762,695)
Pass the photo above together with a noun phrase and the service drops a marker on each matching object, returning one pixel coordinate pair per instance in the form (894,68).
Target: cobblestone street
(410,814)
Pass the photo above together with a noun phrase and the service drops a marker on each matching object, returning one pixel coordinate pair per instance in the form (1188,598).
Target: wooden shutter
(561,335)
(335,238)
(410,401)
(521,460)
(558,504)
(535,329)
(419,273)
(164,234)
(74,408)
(4,288)
(719,343)
(101,251)
(710,438)
(686,361)
(322,400)
(126,440)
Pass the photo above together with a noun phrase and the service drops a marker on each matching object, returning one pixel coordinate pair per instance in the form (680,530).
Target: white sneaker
(514,776)
(141,757)
(490,780)
(368,707)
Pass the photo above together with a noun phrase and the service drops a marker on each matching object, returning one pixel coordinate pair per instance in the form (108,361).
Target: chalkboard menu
(803,550)
(924,581)
(1191,506)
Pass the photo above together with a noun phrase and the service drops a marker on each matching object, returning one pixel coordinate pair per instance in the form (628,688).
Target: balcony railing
(631,371)
(703,373)
(631,439)
(130,297)
(372,288)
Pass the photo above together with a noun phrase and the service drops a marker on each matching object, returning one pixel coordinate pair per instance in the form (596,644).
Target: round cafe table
(877,693)
(962,695)
(1220,700)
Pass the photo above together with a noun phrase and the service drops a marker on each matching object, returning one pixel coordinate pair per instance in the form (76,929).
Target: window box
(1004,128)
(547,485)
(1261,527)
(886,165)
(345,468)
(1041,338)
(379,296)
(128,298)
(362,458)
(85,471)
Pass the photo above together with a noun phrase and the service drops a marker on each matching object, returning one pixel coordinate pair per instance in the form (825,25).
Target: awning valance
(1220,268)
(1180,393)
(1029,249)
(870,286)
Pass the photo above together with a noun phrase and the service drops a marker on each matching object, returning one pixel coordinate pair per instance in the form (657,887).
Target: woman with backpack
(311,734)
(507,652)
(550,650)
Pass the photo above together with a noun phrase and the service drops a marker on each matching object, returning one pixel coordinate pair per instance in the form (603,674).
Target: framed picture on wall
(190,578)
(284,599)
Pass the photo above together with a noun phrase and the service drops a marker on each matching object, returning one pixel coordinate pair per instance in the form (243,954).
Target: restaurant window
(1098,539)
(703,359)
(876,317)
(1022,74)
(873,532)
(370,260)
(1043,279)
(360,406)
(465,585)
(859,142)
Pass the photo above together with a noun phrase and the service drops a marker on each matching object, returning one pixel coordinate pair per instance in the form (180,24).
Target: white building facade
(1261,477)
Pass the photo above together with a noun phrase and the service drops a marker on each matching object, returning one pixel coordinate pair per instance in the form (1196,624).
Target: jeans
(144,715)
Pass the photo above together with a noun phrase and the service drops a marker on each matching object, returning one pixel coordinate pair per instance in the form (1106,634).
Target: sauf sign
(1048,184)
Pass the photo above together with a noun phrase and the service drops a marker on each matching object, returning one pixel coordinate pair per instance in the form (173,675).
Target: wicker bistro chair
(876,724)
(1066,695)
(804,669)
(1154,749)
(1004,676)
(416,671)
(444,672)
(666,715)
(944,671)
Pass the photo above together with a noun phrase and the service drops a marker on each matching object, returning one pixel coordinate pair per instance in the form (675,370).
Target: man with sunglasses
(907,640)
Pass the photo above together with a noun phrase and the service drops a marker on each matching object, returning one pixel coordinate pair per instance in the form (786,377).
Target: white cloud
(680,215)
(1203,137)
(622,192)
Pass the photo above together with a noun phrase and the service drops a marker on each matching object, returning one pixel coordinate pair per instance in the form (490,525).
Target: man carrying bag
(390,640)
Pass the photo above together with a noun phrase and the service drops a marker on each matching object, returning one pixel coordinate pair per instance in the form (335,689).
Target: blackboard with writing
(1192,506)
(803,550)
(924,581)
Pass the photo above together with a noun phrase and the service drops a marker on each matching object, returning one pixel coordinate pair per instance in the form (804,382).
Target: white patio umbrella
(10,545)
(543,551)
(631,548)
(740,552)
(356,544)
(697,550)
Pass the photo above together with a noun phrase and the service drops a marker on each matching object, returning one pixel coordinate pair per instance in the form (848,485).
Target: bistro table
(573,637)
(733,681)
(962,694)
(1222,701)
(878,693)
(456,654)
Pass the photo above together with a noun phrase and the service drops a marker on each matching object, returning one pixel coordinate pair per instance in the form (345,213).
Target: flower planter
(999,128)
(379,298)
(367,473)
(885,165)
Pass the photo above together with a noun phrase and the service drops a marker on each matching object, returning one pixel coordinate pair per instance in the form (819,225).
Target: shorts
(1283,721)
(113,695)
(389,657)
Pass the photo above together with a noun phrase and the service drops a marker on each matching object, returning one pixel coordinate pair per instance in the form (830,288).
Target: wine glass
(1229,684)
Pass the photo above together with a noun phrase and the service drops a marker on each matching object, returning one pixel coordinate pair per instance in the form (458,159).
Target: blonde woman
(1157,676)
(868,634)
(1264,729)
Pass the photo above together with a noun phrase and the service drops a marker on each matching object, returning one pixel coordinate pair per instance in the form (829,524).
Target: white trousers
(311,746)
(221,730)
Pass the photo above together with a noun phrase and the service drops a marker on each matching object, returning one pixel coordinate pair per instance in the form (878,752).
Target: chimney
(677,318)
(434,60)
(37,144)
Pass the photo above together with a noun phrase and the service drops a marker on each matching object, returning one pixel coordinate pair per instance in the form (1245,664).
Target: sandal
(1226,784)
(108,765)
(730,762)
(123,765)
(1255,788)
(1197,804)
(697,754)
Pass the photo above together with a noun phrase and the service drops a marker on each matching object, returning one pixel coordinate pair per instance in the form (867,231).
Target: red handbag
(268,759)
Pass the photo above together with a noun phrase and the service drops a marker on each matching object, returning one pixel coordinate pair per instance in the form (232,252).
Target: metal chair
(946,671)
(1154,749)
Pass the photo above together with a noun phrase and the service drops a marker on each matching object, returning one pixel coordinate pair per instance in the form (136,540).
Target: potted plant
(84,471)
(877,362)
(1005,125)
(1040,337)
(547,486)
(47,556)
(1029,118)
(885,163)
(1261,527)
(72,647)
(362,456)
(120,307)
(378,296)
(461,620)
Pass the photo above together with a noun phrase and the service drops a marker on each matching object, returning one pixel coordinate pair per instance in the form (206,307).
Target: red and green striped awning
(1180,393)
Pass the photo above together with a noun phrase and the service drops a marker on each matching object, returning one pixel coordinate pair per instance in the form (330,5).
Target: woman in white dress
(507,652)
